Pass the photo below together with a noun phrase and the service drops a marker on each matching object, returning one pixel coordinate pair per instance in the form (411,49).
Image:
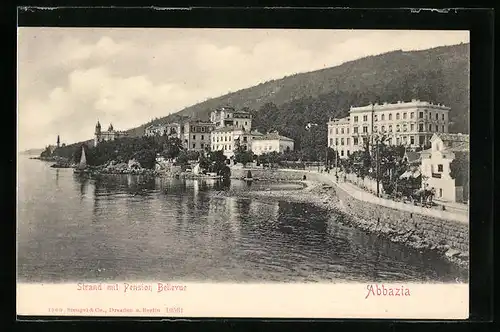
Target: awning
(409,174)
(406,175)
(416,174)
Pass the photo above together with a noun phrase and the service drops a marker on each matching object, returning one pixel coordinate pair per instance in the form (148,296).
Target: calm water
(133,228)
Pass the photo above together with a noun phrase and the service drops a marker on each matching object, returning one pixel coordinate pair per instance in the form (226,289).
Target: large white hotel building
(411,124)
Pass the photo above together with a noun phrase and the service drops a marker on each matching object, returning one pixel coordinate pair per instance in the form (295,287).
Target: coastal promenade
(458,215)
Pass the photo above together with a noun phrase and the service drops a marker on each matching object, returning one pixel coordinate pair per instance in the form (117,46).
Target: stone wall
(404,226)
(436,232)
(278,175)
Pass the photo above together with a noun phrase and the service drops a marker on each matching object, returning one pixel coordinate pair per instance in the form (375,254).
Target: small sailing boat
(82,166)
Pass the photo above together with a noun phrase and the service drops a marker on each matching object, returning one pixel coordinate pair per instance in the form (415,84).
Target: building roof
(453,142)
(412,156)
(226,129)
(398,105)
(274,136)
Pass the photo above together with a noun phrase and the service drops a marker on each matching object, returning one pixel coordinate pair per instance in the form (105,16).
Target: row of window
(405,115)
(225,147)
(359,141)
(399,128)
(202,137)
(200,129)
(227,139)
(202,146)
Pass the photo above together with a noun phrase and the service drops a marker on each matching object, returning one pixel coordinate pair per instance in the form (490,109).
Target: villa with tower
(109,135)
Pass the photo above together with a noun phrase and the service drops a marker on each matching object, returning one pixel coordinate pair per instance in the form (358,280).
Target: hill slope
(440,75)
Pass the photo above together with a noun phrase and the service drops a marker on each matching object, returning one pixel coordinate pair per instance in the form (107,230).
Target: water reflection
(141,228)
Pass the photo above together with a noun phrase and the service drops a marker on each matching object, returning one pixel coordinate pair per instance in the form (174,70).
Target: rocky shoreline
(323,196)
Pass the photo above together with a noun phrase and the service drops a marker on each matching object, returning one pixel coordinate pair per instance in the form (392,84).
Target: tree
(46,153)
(243,156)
(185,156)
(459,170)
(171,148)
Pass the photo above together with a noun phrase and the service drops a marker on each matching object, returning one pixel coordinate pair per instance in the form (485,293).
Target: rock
(452,253)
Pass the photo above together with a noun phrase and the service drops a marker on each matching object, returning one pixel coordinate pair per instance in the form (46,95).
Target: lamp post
(377,167)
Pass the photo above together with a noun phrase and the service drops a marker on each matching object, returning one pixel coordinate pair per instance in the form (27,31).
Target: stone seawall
(421,231)
(413,229)
(278,175)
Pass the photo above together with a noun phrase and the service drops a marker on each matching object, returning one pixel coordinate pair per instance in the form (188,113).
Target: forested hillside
(439,75)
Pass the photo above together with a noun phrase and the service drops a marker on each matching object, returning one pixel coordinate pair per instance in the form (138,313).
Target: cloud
(69,78)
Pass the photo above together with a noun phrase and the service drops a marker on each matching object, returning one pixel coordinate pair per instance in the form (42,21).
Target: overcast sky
(70,78)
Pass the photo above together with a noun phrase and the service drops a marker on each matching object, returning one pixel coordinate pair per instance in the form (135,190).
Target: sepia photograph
(192,172)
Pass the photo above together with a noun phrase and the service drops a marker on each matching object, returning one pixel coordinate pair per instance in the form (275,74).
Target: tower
(58,141)
(97,133)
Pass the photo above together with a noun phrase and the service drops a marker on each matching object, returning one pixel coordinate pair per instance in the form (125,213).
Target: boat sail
(83,162)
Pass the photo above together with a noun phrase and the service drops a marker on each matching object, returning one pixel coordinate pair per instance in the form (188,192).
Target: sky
(68,78)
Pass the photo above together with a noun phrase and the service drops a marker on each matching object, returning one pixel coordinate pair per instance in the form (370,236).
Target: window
(390,116)
(365,129)
(404,115)
(356,118)
(244,138)
(397,116)
(341,141)
(331,141)
(194,136)
(412,127)
(442,129)
(405,127)
(365,117)
(421,140)
(347,139)
(341,153)
(355,141)
(442,116)
(245,123)
(229,138)
(412,140)
(202,130)
(397,127)
(355,130)
(342,130)
(331,131)
(437,116)
(412,115)
(383,117)
(437,128)
(202,145)
(375,129)
(336,141)
(430,127)
(440,168)
(348,130)
(375,117)
(397,141)
(194,145)
(336,131)
(202,137)
(421,115)
(420,127)
(440,192)
(390,128)
(383,129)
